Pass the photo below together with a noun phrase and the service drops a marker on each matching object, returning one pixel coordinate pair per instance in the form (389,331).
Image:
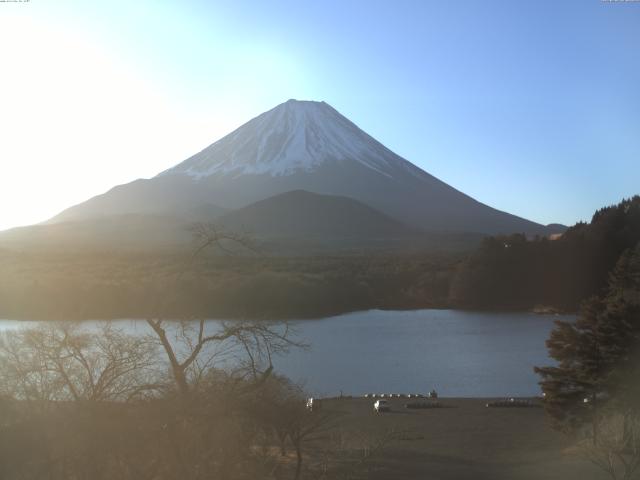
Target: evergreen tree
(619,332)
(598,355)
(574,387)
(515,272)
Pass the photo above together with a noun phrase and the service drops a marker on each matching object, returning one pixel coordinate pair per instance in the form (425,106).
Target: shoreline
(546,312)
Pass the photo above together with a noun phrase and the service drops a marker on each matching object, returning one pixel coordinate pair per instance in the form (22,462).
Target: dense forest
(81,286)
(514,272)
(592,392)
(509,272)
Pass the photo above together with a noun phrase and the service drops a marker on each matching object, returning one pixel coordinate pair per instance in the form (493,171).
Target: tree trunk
(177,369)
(299,460)
(282,438)
(595,420)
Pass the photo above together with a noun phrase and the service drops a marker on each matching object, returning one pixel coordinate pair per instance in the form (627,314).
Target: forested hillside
(505,272)
(81,286)
(516,273)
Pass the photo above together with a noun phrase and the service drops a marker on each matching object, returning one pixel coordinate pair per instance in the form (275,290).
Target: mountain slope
(302,145)
(303,214)
(121,232)
(292,223)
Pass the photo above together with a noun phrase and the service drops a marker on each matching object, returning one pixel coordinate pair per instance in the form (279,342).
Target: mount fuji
(308,146)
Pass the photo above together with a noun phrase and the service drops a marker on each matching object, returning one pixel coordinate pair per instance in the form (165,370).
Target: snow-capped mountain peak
(292,137)
(302,145)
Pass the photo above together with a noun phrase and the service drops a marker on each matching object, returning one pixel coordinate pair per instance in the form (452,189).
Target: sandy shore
(464,440)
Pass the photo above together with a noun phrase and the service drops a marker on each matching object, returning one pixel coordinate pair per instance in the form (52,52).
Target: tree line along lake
(459,353)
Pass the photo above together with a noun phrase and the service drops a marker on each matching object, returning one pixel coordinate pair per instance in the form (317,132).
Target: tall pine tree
(598,355)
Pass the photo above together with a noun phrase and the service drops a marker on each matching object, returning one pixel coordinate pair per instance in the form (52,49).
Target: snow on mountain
(303,145)
(294,136)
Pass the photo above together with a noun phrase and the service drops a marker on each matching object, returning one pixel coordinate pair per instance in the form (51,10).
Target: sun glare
(64,102)
(77,119)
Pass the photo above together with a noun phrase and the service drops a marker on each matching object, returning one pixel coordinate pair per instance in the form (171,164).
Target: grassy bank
(463,440)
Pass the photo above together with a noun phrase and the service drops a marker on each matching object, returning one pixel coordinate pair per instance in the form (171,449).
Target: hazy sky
(532,107)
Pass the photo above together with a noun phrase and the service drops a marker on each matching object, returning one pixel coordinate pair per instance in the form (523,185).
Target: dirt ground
(463,440)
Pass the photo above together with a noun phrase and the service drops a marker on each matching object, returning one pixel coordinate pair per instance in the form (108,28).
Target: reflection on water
(457,353)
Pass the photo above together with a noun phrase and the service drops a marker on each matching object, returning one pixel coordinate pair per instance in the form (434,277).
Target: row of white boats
(432,394)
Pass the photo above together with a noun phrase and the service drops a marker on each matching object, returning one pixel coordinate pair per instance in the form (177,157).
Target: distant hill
(292,223)
(300,214)
(556,228)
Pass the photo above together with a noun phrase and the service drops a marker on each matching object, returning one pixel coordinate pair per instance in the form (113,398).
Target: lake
(459,353)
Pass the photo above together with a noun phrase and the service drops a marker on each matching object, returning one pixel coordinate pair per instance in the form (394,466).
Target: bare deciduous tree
(63,361)
(617,448)
(246,347)
(191,350)
(86,380)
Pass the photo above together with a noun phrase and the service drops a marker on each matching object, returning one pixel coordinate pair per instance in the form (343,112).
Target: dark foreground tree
(518,273)
(594,390)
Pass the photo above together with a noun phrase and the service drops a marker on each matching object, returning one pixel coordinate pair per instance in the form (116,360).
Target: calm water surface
(467,354)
